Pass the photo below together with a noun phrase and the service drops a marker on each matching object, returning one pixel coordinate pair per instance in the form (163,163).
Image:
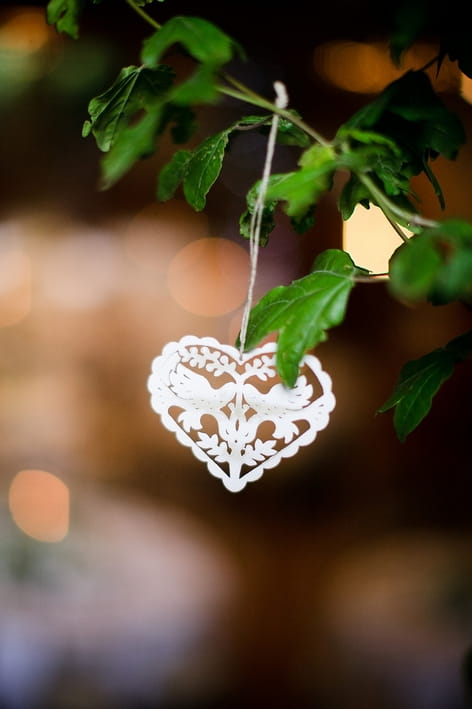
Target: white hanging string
(257,214)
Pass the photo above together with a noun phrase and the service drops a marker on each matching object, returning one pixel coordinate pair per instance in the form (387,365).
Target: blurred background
(129,576)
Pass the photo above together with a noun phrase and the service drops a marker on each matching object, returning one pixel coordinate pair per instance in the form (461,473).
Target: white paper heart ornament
(233,410)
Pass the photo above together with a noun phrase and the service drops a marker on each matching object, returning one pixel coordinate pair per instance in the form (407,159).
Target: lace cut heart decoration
(233,410)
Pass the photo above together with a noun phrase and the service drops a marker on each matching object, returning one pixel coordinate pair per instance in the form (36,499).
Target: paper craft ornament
(232,410)
(229,406)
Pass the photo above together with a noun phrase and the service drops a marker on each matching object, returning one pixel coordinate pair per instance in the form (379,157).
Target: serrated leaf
(135,89)
(302,311)
(434,265)
(172,174)
(420,380)
(64,14)
(353,192)
(199,169)
(318,156)
(410,113)
(204,41)
(287,132)
(301,189)
(290,134)
(203,169)
(301,224)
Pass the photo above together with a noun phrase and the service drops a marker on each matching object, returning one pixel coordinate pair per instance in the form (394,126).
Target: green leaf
(204,41)
(301,224)
(267,221)
(203,169)
(300,190)
(409,18)
(133,143)
(199,169)
(134,90)
(434,265)
(409,113)
(172,174)
(287,132)
(64,14)
(201,87)
(352,193)
(420,380)
(302,311)
(181,120)
(290,134)
(448,23)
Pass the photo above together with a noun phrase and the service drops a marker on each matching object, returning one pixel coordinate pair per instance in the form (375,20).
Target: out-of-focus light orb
(39,505)
(15,286)
(155,234)
(25,30)
(209,276)
(466,88)
(370,239)
(82,270)
(367,67)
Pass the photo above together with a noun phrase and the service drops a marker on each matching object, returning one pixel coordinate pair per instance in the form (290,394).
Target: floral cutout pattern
(251,419)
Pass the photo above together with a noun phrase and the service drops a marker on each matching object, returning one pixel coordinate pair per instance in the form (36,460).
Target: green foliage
(389,141)
(445,255)
(300,190)
(135,89)
(415,127)
(450,22)
(202,40)
(64,14)
(203,168)
(420,380)
(302,311)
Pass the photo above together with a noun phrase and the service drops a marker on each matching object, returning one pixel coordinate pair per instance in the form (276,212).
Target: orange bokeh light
(39,505)
(15,286)
(209,276)
(26,30)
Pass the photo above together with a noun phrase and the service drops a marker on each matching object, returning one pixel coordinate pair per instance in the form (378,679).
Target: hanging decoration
(230,406)
(232,410)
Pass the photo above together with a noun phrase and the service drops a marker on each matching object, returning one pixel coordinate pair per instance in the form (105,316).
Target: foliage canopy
(390,140)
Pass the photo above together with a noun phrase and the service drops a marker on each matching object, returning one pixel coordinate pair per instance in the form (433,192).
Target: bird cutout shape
(233,410)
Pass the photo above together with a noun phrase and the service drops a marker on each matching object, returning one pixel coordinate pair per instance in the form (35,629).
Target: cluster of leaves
(390,140)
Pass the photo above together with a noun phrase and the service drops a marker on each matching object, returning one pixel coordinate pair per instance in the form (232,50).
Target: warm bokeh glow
(367,68)
(370,239)
(15,286)
(466,88)
(209,276)
(155,234)
(39,505)
(81,270)
(25,30)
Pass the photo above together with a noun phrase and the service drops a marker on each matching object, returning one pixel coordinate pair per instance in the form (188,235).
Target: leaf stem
(373,278)
(392,210)
(249,96)
(242,92)
(147,18)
